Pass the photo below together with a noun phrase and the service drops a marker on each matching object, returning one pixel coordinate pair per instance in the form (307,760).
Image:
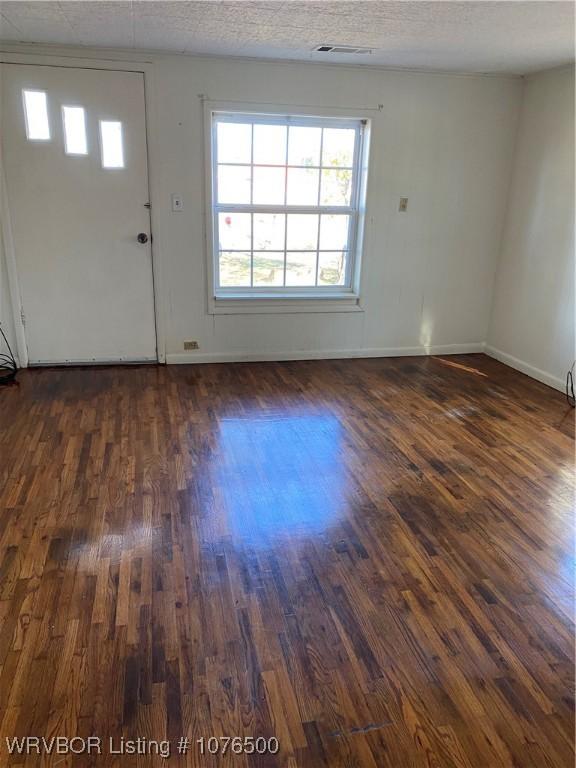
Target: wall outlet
(403,207)
(177,203)
(191,345)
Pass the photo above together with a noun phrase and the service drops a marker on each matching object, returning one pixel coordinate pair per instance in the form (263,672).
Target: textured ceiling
(511,37)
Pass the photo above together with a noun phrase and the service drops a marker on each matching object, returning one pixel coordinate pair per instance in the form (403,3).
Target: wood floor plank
(370,560)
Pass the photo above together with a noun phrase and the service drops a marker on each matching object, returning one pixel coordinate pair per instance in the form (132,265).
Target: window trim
(301,298)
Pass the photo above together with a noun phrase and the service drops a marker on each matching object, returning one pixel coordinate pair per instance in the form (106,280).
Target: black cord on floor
(8,367)
(570,386)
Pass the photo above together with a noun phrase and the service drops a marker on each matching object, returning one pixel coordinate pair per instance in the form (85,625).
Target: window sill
(266,304)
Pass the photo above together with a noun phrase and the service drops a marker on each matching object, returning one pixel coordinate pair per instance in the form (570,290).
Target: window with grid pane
(285,203)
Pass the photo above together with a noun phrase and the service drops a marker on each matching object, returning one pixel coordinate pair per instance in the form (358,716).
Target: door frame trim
(12,271)
(146,68)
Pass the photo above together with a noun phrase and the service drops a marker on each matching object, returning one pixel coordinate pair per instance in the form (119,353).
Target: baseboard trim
(91,361)
(186,358)
(523,367)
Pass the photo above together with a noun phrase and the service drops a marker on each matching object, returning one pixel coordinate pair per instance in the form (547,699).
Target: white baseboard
(91,361)
(185,358)
(529,370)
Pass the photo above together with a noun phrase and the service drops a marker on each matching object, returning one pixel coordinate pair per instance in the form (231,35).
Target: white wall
(444,141)
(532,325)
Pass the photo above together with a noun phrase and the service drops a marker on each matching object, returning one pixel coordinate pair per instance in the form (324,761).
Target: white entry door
(74,151)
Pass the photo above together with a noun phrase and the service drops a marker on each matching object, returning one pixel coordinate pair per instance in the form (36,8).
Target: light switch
(177,204)
(403,207)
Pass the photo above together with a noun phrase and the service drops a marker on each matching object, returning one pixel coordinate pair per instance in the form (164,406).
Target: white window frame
(299,298)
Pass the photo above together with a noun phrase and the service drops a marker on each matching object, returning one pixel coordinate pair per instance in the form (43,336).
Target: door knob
(142,237)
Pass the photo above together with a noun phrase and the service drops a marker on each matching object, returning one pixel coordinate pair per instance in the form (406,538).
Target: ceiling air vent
(341,49)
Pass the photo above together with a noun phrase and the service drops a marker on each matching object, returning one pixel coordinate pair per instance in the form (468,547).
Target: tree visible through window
(285,203)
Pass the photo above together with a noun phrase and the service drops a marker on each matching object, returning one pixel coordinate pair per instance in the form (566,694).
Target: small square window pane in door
(36,114)
(111,144)
(75,130)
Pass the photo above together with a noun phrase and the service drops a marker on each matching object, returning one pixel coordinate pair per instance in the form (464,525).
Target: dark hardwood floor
(371,560)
